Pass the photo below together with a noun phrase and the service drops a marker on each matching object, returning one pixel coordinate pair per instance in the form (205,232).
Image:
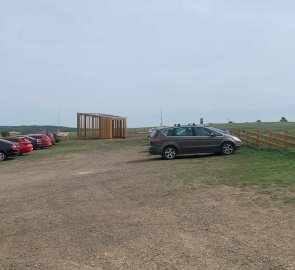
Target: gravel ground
(114,209)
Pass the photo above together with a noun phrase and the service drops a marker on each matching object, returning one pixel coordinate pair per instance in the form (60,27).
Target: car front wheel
(169,152)
(227,148)
(2,156)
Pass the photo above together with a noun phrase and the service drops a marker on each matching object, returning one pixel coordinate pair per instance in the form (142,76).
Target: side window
(167,132)
(198,131)
(206,132)
(202,131)
(216,133)
(189,131)
(179,131)
(183,131)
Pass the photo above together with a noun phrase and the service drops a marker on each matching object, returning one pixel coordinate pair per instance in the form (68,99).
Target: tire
(2,156)
(227,148)
(169,152)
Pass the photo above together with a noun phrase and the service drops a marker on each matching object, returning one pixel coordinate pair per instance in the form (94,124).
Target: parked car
(170,142)
(57,138)
(52,138)
(25,146)
(8,149)
(150,131)
(37,144)
(45,140)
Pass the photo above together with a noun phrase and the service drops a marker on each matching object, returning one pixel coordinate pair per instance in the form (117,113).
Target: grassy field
(76,146)
(262,126)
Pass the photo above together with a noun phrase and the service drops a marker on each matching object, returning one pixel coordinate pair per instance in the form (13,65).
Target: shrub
(283,119)
(5,133)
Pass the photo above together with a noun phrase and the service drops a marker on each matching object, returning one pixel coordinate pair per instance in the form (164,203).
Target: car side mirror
(212,134)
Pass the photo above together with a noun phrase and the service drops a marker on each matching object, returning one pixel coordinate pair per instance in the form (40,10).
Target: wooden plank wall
(92,126)
(119,128)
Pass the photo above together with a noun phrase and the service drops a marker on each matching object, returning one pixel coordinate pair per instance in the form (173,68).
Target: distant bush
(5,133)
(258,121)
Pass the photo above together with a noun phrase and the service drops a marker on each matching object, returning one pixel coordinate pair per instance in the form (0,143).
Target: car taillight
(13,146)
(157,139)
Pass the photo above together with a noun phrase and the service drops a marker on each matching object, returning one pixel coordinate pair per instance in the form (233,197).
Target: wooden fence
(273,139)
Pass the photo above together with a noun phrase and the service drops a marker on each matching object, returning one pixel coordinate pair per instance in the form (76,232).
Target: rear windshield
(168,131)
(154,133)
(36,137)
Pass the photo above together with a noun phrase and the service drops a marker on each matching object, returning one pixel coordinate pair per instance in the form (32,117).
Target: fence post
(258,138)
(286,140)
(270,139)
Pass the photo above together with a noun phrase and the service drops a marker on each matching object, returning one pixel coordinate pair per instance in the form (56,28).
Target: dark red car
(50,135)
(45,140)
(25,146)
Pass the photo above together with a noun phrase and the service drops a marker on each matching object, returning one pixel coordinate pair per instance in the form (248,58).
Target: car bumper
(11,153)
(153,151)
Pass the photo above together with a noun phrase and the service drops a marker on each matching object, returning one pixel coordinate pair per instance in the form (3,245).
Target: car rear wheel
(227,148)
(2,156)
(169,152)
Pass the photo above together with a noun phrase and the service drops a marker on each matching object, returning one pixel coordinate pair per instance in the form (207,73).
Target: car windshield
(36,137)
(217,131)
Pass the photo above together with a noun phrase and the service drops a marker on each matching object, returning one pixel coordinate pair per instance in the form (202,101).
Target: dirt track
(114,209)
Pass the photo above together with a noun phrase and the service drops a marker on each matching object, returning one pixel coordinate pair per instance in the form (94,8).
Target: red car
(25,146)
(45,140)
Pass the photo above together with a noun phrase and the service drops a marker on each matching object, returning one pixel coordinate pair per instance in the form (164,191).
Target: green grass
(246,167)
(262,126)
(77,146)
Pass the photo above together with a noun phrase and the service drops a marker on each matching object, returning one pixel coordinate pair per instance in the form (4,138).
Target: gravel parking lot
(115,209)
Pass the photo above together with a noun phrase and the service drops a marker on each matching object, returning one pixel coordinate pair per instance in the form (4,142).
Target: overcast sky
(217,59)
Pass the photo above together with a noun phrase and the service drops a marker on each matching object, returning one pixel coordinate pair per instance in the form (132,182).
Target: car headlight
(236,139)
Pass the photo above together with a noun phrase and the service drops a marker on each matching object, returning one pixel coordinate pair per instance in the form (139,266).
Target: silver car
(170,142)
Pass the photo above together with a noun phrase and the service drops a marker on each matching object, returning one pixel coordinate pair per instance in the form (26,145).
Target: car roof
(25,136)
(5,141)
(187,125)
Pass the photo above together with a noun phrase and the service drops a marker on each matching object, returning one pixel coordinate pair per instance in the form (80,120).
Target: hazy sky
(217,59)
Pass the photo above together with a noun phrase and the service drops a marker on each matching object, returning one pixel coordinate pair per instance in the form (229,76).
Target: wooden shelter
(100,126)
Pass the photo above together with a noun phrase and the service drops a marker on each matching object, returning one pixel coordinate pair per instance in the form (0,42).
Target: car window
(202,131)
(216,132)
(154,133)
(168,131)
(206,132)
(189,131)
(183,131)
